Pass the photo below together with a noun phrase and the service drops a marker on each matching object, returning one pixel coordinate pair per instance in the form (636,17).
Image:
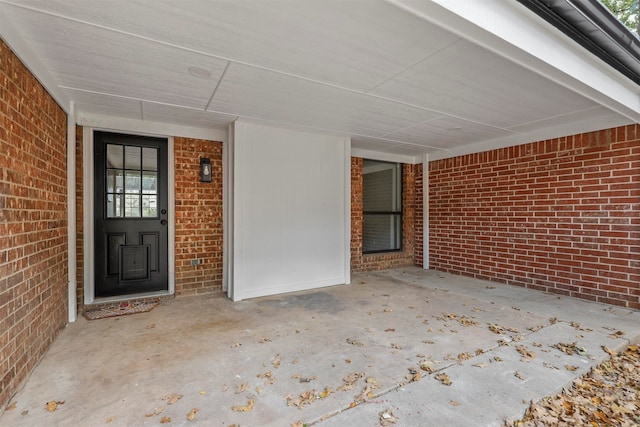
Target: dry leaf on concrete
(443,378)
(11,406)
(354,342)
(607,395)
(246,408)
(464,356)
(53,405)
(527,354)
(387,418)
(276,362)
(172,398)
(242,388)
(325,393)
(519,375)
(192,414)
(110,419)
(165,420)
(454,403)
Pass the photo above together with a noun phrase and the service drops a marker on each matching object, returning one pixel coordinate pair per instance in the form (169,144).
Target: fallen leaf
(608,350)
(617,334)
(388,310)
(11,406)
(53,405)
(497,358)
(192,414)
(325,393)
(259,390)
(298,424)
(570,368)
(110,419)
(304,399)
(454,403)
(414,375)
(519,375)
(443,378)
(246,408)
(527,354)
(234,345)
(396,346)
(150,326)
(165,420)
(390,330)
(387,418)
(264,340)
(480,365)
(354,342)
(202,392)
(242,388)
(464,356)
(172,398)
(276,362)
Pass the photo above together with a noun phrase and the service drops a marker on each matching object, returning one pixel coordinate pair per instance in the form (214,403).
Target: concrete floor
(218,354)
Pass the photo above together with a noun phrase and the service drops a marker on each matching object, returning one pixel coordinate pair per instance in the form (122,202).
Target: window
(382,206)
(132,175)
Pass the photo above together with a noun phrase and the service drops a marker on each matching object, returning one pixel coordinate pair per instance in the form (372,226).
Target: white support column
(71,212)
(425,211)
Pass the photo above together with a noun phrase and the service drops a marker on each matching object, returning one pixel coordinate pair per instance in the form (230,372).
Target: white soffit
(399,77)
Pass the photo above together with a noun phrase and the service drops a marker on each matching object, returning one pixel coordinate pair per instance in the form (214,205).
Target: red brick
(33,182)
(570,213)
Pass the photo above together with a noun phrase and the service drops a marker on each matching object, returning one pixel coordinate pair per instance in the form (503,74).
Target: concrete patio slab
(290,355)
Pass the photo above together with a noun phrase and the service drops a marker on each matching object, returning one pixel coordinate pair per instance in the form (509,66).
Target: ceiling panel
(353,44)
(464,80)
(94,59)
(92,103)
(252,92)
(185,117)
(444,132)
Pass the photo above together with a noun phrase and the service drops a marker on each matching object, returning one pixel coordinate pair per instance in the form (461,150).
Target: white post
(71,212)
(425,211)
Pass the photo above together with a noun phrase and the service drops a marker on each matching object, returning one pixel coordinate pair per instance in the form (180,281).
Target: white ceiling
(393,81)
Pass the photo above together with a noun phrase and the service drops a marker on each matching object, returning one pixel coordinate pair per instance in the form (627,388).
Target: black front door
(131,238)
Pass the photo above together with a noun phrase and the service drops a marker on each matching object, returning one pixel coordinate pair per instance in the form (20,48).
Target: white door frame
(88,224)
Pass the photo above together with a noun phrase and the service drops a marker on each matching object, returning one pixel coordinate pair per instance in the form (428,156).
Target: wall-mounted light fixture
(205,169)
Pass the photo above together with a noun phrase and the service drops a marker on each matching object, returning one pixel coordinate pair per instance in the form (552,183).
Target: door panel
(131,205)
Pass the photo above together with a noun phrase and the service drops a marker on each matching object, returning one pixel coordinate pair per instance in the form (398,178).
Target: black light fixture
(205,169)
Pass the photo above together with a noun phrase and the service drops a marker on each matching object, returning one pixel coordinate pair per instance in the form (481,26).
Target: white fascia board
(15,41)
(510,30)
(148,127)
(384,156)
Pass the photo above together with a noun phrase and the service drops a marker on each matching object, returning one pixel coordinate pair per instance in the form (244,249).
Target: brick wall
(379,261)
(33,222)
(561,215)
(198,217)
